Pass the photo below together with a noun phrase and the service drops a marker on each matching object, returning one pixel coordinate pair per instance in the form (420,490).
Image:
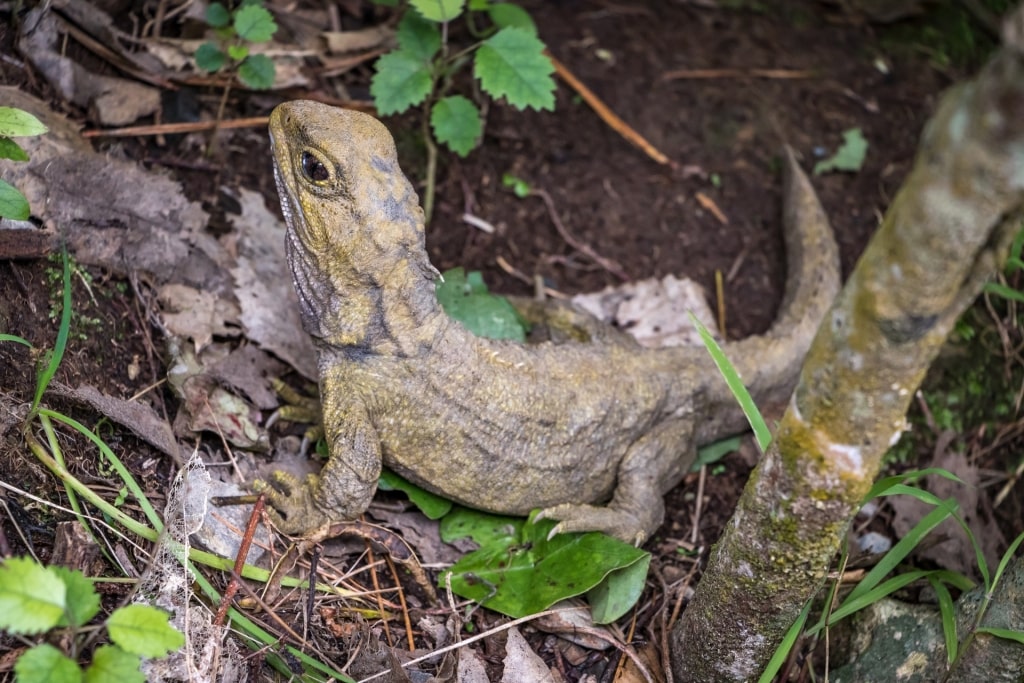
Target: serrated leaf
(254,23)
(257,72)
(32,597)
(143,630)
(418,37)
(111,663)
(46,664)
(209,57)
(430,504)
(511,64)
(438,10)
(13,204)
(83,603)
(9,149)
(17,123)
(217,15)
(402,81)
(849,157)
(238,52)
(505,14)
(456,122)
(464,297)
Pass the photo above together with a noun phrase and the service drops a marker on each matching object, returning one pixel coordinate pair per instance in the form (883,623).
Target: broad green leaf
(402,80)
(619,591)
(418,37)
(111,663)
(9,149)
(512,64)
(238,52)
(17,123)
(456,123)
(46,664)
(465,298)
(505,14)
(32,597)
(762,434)
(209,57)
(257,72)
(530,573)
(217,15)
(13,204)
(83,603)
(849,157)
(254,23)
(478,5)
(430,504)
(438,10)
(143,630)
(484,528)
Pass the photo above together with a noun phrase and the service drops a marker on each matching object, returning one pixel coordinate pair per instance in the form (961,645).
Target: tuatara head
(355,227)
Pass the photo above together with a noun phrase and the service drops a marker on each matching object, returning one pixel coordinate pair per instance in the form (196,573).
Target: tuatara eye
(313,168)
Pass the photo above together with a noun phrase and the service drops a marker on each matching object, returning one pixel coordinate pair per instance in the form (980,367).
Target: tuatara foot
(300,408)
(623,525)
(291,504)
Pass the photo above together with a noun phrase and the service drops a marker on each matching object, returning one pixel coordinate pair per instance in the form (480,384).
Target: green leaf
(465,298)
(238,52)
(402,80)
(257,72)
(519,187)
(529,573)
(781,654)
(254,23)
(111,663)
(16,339)
(438,10)
(143,630)
(217,15)
(1002,290)
(762,434)
(619,591)
(13,204)
(32,597)
(849,156)
(209,58)
(418,37)
(505,14)
(83,603)
(456,122)
(46,664)
(947,611)
(17,123)
(715,451)
(1008,634)
(9,149)
(512,64)
(483,528)
(430,504)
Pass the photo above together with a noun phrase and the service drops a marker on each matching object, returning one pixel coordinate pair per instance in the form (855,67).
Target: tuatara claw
(290,503)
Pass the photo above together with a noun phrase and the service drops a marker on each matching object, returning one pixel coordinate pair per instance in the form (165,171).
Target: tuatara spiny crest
(592,433)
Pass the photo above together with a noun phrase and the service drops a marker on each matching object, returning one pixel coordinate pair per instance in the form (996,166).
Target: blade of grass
(761,433)
(15,338)
(868,597)
(886,483)
(1006,633)
(785,647)
(948,614)
(54,358)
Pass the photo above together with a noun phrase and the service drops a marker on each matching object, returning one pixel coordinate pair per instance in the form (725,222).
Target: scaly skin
(592,433)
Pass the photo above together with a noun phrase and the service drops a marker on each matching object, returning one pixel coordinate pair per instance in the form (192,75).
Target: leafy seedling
(849,157)
(15,123)
(508,61)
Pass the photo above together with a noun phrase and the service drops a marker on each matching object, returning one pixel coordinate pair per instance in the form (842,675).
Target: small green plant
(37,600)
(15,123)
(237,30)
(508,61)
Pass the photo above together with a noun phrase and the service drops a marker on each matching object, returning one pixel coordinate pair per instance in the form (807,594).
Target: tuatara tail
(770,363)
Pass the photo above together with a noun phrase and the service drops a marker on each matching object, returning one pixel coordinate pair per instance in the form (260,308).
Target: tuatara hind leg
(652,466)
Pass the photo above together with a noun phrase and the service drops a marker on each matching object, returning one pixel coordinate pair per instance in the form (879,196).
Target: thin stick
(606,114)
(779,74)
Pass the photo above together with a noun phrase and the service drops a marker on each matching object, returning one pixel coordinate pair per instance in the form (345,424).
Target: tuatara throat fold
(592,432)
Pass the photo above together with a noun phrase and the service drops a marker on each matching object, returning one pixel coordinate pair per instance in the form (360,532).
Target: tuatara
(593,433)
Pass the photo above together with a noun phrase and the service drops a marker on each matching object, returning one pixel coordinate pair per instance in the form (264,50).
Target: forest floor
(649,62)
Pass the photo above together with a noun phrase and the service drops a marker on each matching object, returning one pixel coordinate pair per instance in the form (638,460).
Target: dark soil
(724,134)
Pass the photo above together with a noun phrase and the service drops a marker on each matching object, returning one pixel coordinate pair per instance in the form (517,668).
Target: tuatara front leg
(637,508)
(345,485)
